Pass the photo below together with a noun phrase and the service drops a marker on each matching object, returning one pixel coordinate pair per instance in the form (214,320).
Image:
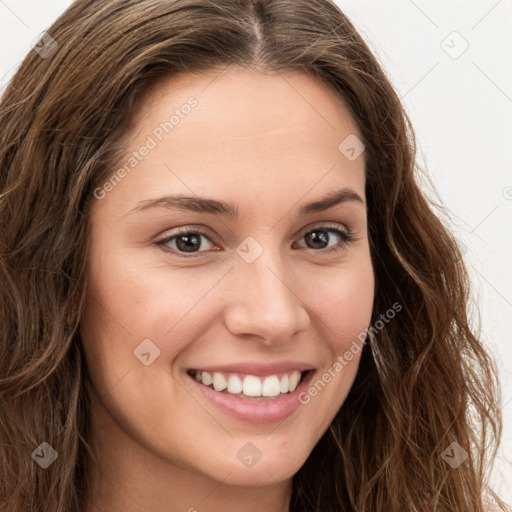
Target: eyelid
(161,241)
(326,225)
(188,228)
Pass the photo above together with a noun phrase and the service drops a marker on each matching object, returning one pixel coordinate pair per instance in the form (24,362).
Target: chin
(257,463)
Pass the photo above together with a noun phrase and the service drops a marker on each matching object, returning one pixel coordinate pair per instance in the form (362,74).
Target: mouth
(251,387)
(251,397)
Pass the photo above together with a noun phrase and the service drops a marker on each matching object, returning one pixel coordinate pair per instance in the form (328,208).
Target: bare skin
(267,143)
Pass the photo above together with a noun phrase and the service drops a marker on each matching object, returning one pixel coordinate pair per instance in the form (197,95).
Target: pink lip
(258,369)
(265,411)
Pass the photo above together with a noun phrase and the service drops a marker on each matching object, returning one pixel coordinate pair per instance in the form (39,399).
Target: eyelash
(346,236)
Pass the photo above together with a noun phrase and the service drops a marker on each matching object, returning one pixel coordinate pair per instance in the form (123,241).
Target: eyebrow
(230,210)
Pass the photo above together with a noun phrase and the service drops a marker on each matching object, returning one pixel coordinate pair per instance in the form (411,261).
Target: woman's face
(266,289)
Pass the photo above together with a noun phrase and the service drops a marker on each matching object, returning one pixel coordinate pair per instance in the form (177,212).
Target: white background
(461,109)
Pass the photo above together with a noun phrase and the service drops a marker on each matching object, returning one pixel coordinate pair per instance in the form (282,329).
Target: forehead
(230,96)
(248,129)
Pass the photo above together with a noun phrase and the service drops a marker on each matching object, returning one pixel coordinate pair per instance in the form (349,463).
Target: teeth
(206,378)
(271,386)
(294,380)
(284,384)
(234,384)
(219,382)
(250,385)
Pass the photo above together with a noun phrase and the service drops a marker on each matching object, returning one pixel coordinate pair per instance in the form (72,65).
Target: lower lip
(252,411)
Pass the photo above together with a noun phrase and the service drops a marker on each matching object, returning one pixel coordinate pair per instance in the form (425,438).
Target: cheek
(129,314)
(343,303)
(129,300)
(342,306)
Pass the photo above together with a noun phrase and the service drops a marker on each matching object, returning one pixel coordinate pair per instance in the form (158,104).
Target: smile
(252,398)
(250,385)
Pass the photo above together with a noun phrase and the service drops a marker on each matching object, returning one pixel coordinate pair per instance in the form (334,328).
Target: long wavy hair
(425,381)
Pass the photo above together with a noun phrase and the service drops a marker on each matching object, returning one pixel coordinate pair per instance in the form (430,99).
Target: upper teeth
(250,385)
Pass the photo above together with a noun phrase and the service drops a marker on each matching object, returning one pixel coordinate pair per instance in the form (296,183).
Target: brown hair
(424,381)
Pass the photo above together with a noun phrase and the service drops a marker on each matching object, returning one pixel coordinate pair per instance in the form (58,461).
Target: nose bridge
(265,303)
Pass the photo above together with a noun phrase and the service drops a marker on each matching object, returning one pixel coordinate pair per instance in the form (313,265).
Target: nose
(262,302)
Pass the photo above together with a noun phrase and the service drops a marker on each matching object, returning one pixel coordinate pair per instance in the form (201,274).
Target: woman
(223,287)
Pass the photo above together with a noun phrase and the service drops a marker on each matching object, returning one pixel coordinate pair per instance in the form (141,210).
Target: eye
(187,242)
(319,237)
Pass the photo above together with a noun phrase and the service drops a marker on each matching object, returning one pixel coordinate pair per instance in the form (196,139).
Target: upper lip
(257,368)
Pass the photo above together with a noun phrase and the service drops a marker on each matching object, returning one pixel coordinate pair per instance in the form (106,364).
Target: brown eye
(188,243)
(185,241)
(319,239)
